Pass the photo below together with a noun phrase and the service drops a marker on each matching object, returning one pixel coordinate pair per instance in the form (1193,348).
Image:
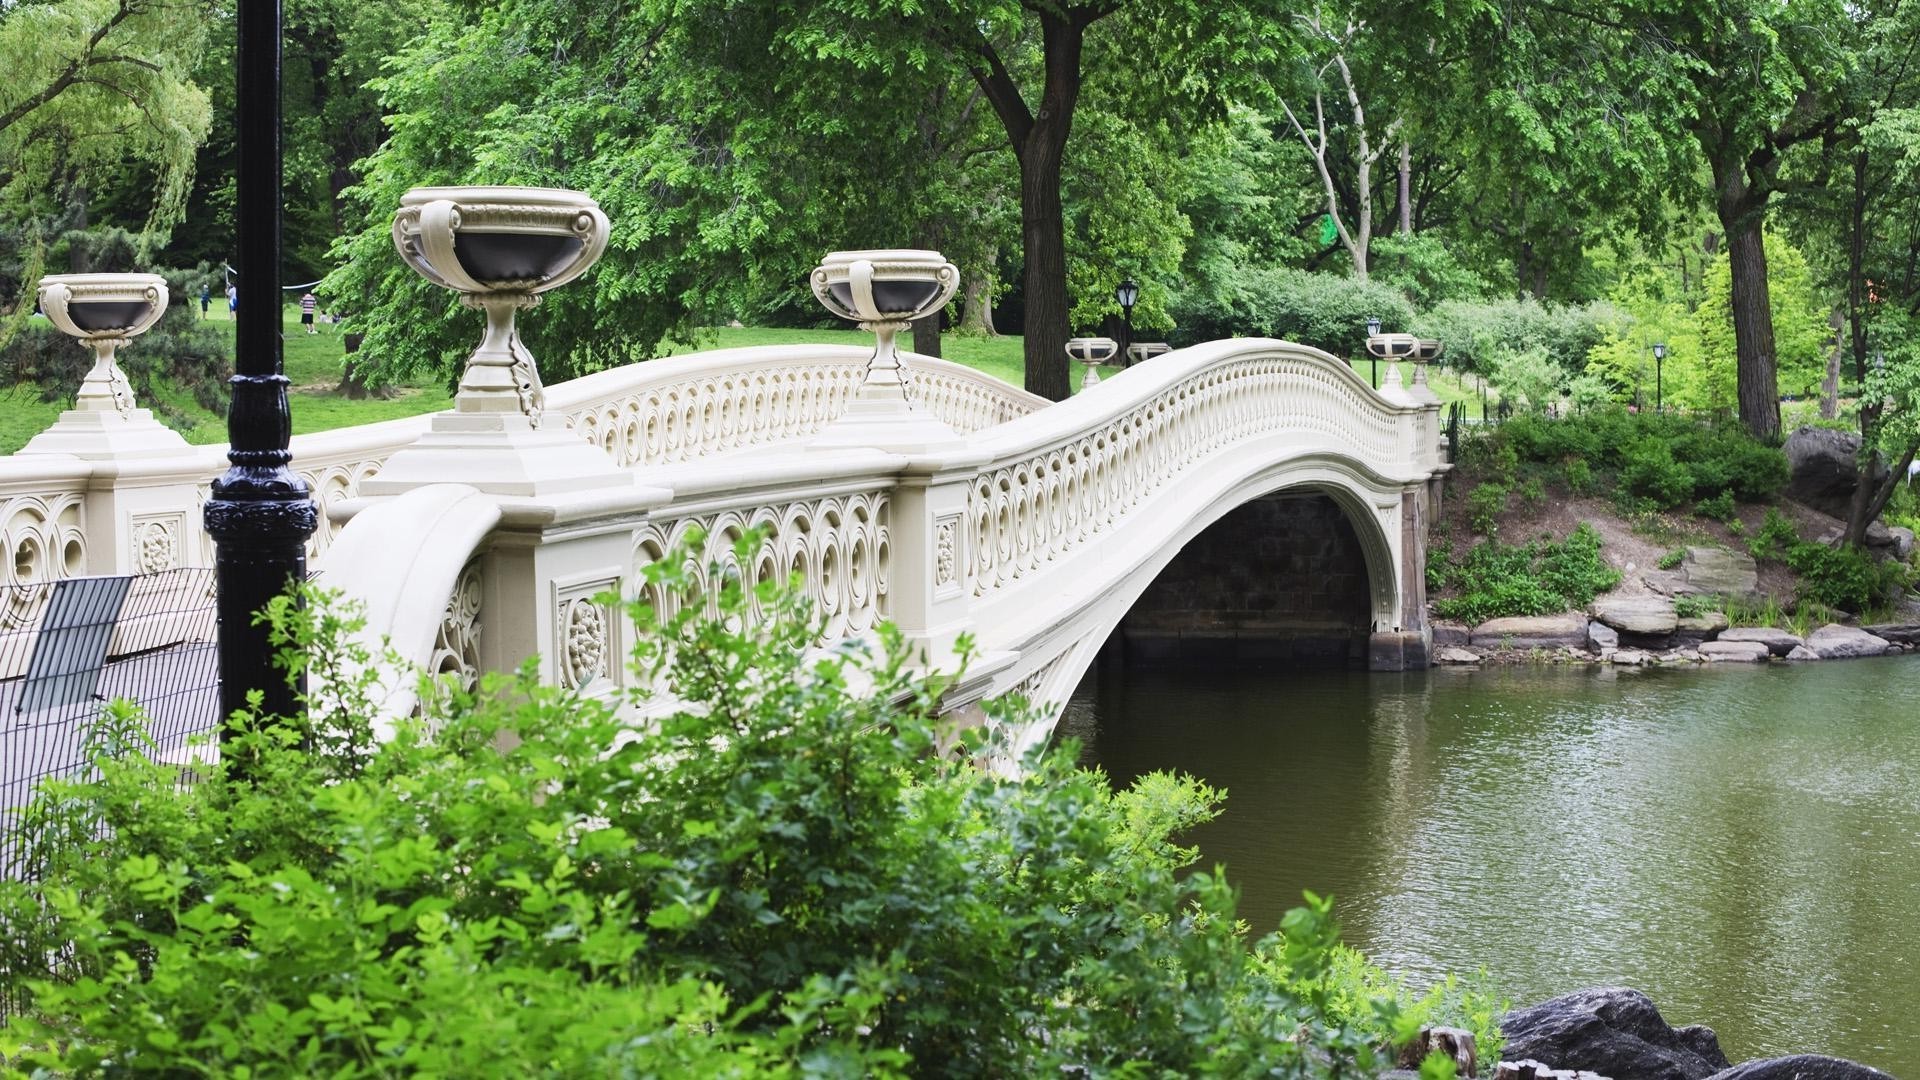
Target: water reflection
(1743,844)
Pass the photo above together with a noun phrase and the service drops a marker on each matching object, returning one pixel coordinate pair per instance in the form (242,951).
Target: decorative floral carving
(456,647)
(157,545)
(946,551)
(583,652)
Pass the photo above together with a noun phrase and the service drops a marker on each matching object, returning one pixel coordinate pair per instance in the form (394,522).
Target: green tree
(93,88)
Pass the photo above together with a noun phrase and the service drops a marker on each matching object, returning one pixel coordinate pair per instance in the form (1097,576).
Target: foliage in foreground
(781,876)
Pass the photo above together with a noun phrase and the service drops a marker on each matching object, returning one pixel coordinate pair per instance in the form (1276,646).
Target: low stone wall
(1634,632)
(1280,581)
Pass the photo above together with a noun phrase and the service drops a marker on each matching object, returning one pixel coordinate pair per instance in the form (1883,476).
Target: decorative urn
(884,291)
(1425,352)
(1091,351)
(1141,351)
(104,311)
(1393,348)
(499,248)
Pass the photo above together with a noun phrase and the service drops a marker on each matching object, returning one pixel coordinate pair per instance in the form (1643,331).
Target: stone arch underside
(1052,662)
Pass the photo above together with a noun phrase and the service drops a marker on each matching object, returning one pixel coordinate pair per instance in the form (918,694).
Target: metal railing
(69,647)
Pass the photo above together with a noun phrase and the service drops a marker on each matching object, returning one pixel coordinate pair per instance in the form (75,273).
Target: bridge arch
(1383,513)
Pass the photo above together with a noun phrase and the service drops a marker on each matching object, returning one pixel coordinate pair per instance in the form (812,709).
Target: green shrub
(1776,538)
(1690,606)
(1540,578)
(1579,477)
(1845,577)
(1718,508)
(1326,311)
(776,876)
(1651,472)
(1533,493)
(1672,559)
(1476,332)
(1484,505)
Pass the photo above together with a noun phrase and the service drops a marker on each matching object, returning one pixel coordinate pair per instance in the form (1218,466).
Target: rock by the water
(1614,1031)
(1747,652)
(1712,571)
(1898,633)
(1630,658)
(1836,642)
(1801,1067)
(1801,652)
(1701,626)
(1454,654)
(1778,641)
(1532,632)
(1601,637)
(1821,470)
(1646,615)
(1451,633)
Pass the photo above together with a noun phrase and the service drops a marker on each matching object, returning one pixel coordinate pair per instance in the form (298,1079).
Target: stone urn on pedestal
(1425,352)
(1393,348)
(1141,351)
(884,291)
(105,311)
(500,248)
(1091,351)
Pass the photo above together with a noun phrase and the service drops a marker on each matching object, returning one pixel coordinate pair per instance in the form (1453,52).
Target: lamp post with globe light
(1659,363)
(1127,294)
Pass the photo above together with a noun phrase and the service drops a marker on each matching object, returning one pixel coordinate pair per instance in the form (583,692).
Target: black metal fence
(69,647)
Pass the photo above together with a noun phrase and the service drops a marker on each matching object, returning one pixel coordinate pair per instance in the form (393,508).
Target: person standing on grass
(206,298)
(233,299)
(307,303)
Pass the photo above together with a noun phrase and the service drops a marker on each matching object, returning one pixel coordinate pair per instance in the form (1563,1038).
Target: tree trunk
(1043,238)
(1742,210)
(926,335)
(976,305)
(1830,385)
(1406,187)
(353,384)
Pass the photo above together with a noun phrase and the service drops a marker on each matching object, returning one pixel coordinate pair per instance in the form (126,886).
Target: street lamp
(1659,362)
(1128,293)
(1373,331)
(261,512)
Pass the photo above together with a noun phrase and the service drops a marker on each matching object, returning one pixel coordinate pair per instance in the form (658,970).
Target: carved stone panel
(156,541)
(586,646)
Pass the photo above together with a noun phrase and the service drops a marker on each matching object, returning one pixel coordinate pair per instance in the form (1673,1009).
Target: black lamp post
(261,513)
(1373,330)
(1659,384)
(1128,293)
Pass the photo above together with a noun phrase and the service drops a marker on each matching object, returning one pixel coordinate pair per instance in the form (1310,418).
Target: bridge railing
(1057,480)
(63,516)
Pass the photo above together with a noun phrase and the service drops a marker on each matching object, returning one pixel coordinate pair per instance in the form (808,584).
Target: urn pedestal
(1091,351)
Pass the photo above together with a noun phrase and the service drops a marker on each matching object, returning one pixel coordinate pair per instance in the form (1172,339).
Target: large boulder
(1713,571)
(1836,642)
(1801,1067)
(1645,615)
(1532,632)
(1450,633)
(1822,469)
(1777,641)
(1614,1031)
(1602,638)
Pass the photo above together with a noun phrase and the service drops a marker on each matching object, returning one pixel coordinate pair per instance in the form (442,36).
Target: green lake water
(1741,843)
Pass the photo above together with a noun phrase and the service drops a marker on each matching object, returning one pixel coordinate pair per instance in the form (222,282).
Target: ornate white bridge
(477,540)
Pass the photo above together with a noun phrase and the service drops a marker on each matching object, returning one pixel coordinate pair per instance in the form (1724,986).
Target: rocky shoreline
(1663,618)
(1589,638)
(1618,1033)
